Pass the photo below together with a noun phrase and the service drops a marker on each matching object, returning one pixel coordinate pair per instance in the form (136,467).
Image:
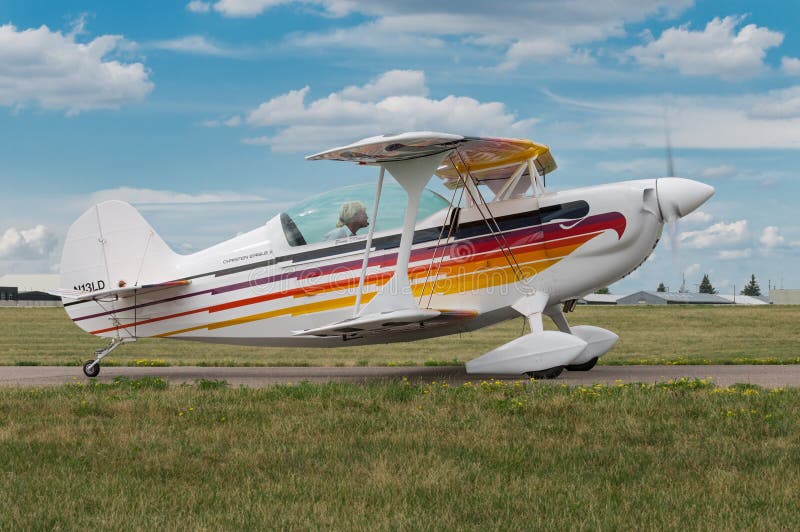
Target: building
(28,290)
(599,299)
(646,297)
(746,300)
(781,296)
(8,293)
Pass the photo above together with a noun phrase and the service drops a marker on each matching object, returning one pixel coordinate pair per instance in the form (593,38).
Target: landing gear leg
(91,368)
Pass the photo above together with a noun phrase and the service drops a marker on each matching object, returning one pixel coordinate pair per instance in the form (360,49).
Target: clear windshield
(311,220)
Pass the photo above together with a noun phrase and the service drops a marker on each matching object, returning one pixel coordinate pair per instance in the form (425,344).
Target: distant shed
(600,299)
(745,300)
(785,297)
(646,297)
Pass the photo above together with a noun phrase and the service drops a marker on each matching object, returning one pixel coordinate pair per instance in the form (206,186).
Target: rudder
(112,246)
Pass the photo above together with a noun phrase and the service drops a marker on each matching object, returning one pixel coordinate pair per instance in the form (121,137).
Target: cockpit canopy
(309,221)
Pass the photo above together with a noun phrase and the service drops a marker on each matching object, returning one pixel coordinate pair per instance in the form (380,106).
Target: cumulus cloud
(151,196)
(638,168)
(232,121)
(771,237)
(531,31)
(735,254)
(777,105)
(790,66)
(697,218)
(718,234)
(717,172)
(195,44)
(197,6)
(395,101)
(53,70)
(27,244)
(747,121)
(691,269)
(717,50)
(245,8)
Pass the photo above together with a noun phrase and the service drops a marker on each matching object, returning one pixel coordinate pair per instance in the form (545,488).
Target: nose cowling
(677,197)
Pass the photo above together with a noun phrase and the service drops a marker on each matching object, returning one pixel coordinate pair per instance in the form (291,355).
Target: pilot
(352,217)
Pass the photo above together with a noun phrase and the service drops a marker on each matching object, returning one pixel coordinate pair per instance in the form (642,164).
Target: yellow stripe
(483,274)
(308,308)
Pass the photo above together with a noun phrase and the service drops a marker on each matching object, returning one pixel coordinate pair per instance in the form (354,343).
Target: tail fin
(111,246)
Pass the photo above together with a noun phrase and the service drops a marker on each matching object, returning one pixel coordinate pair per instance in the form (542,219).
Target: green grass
(140,454)
(648,335)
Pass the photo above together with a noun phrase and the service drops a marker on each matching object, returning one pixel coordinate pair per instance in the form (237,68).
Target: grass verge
(141,454)
(648,335)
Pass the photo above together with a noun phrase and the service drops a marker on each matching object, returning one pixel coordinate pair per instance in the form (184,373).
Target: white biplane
(426,267)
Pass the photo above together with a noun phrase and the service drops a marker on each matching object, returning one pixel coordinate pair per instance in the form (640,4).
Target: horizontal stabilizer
(79,295)
(391,321)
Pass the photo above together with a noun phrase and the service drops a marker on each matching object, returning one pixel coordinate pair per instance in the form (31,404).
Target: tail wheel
(586,366)
(551,373)
(91,370)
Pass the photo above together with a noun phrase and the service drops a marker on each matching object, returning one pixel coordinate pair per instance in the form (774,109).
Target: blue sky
(200,113)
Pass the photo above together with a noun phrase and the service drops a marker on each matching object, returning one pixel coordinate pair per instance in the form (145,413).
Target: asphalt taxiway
(768,376)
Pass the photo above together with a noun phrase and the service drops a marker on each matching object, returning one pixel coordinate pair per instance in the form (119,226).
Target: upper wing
(486,158)
(389,148)
(492,159)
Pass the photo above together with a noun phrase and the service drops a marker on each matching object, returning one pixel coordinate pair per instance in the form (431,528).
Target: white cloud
(257,141)
(691,269)
(790,66)
(748,121)
(530,31)
(779,104)
(735,254)
(151,196)
(391,83)
(233,121)
(27,244)
(718,234)
(53,70)
(771,237)
(718,50)
(372,109)
(195,44)
(245,8)
(697,218)
(717,172)
(197,6)
(639,168)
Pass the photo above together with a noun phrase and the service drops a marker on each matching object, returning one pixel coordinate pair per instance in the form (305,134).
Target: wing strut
(365,263)
(412,175)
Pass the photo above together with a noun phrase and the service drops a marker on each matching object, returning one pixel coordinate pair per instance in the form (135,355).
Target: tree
(751,288)
(705,286)
(603,290)
(661,288)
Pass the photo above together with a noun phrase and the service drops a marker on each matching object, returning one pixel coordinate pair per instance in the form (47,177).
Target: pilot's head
(353,214)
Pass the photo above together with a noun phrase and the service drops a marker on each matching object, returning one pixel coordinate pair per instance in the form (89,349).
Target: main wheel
(586,366)
(551,373)
(89,370)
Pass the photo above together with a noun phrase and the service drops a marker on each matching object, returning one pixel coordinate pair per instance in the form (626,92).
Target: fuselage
(258,288)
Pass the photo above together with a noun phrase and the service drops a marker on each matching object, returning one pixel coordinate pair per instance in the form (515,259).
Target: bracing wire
(504,247)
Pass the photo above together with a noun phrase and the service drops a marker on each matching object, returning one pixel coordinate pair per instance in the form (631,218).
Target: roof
(683,298)
(31,282)
(745,300)
(608,299)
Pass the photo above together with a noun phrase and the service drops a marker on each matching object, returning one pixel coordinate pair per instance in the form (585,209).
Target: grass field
(141,455)
(648,335)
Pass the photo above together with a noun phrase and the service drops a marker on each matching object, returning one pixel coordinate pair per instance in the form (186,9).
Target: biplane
(418,265)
